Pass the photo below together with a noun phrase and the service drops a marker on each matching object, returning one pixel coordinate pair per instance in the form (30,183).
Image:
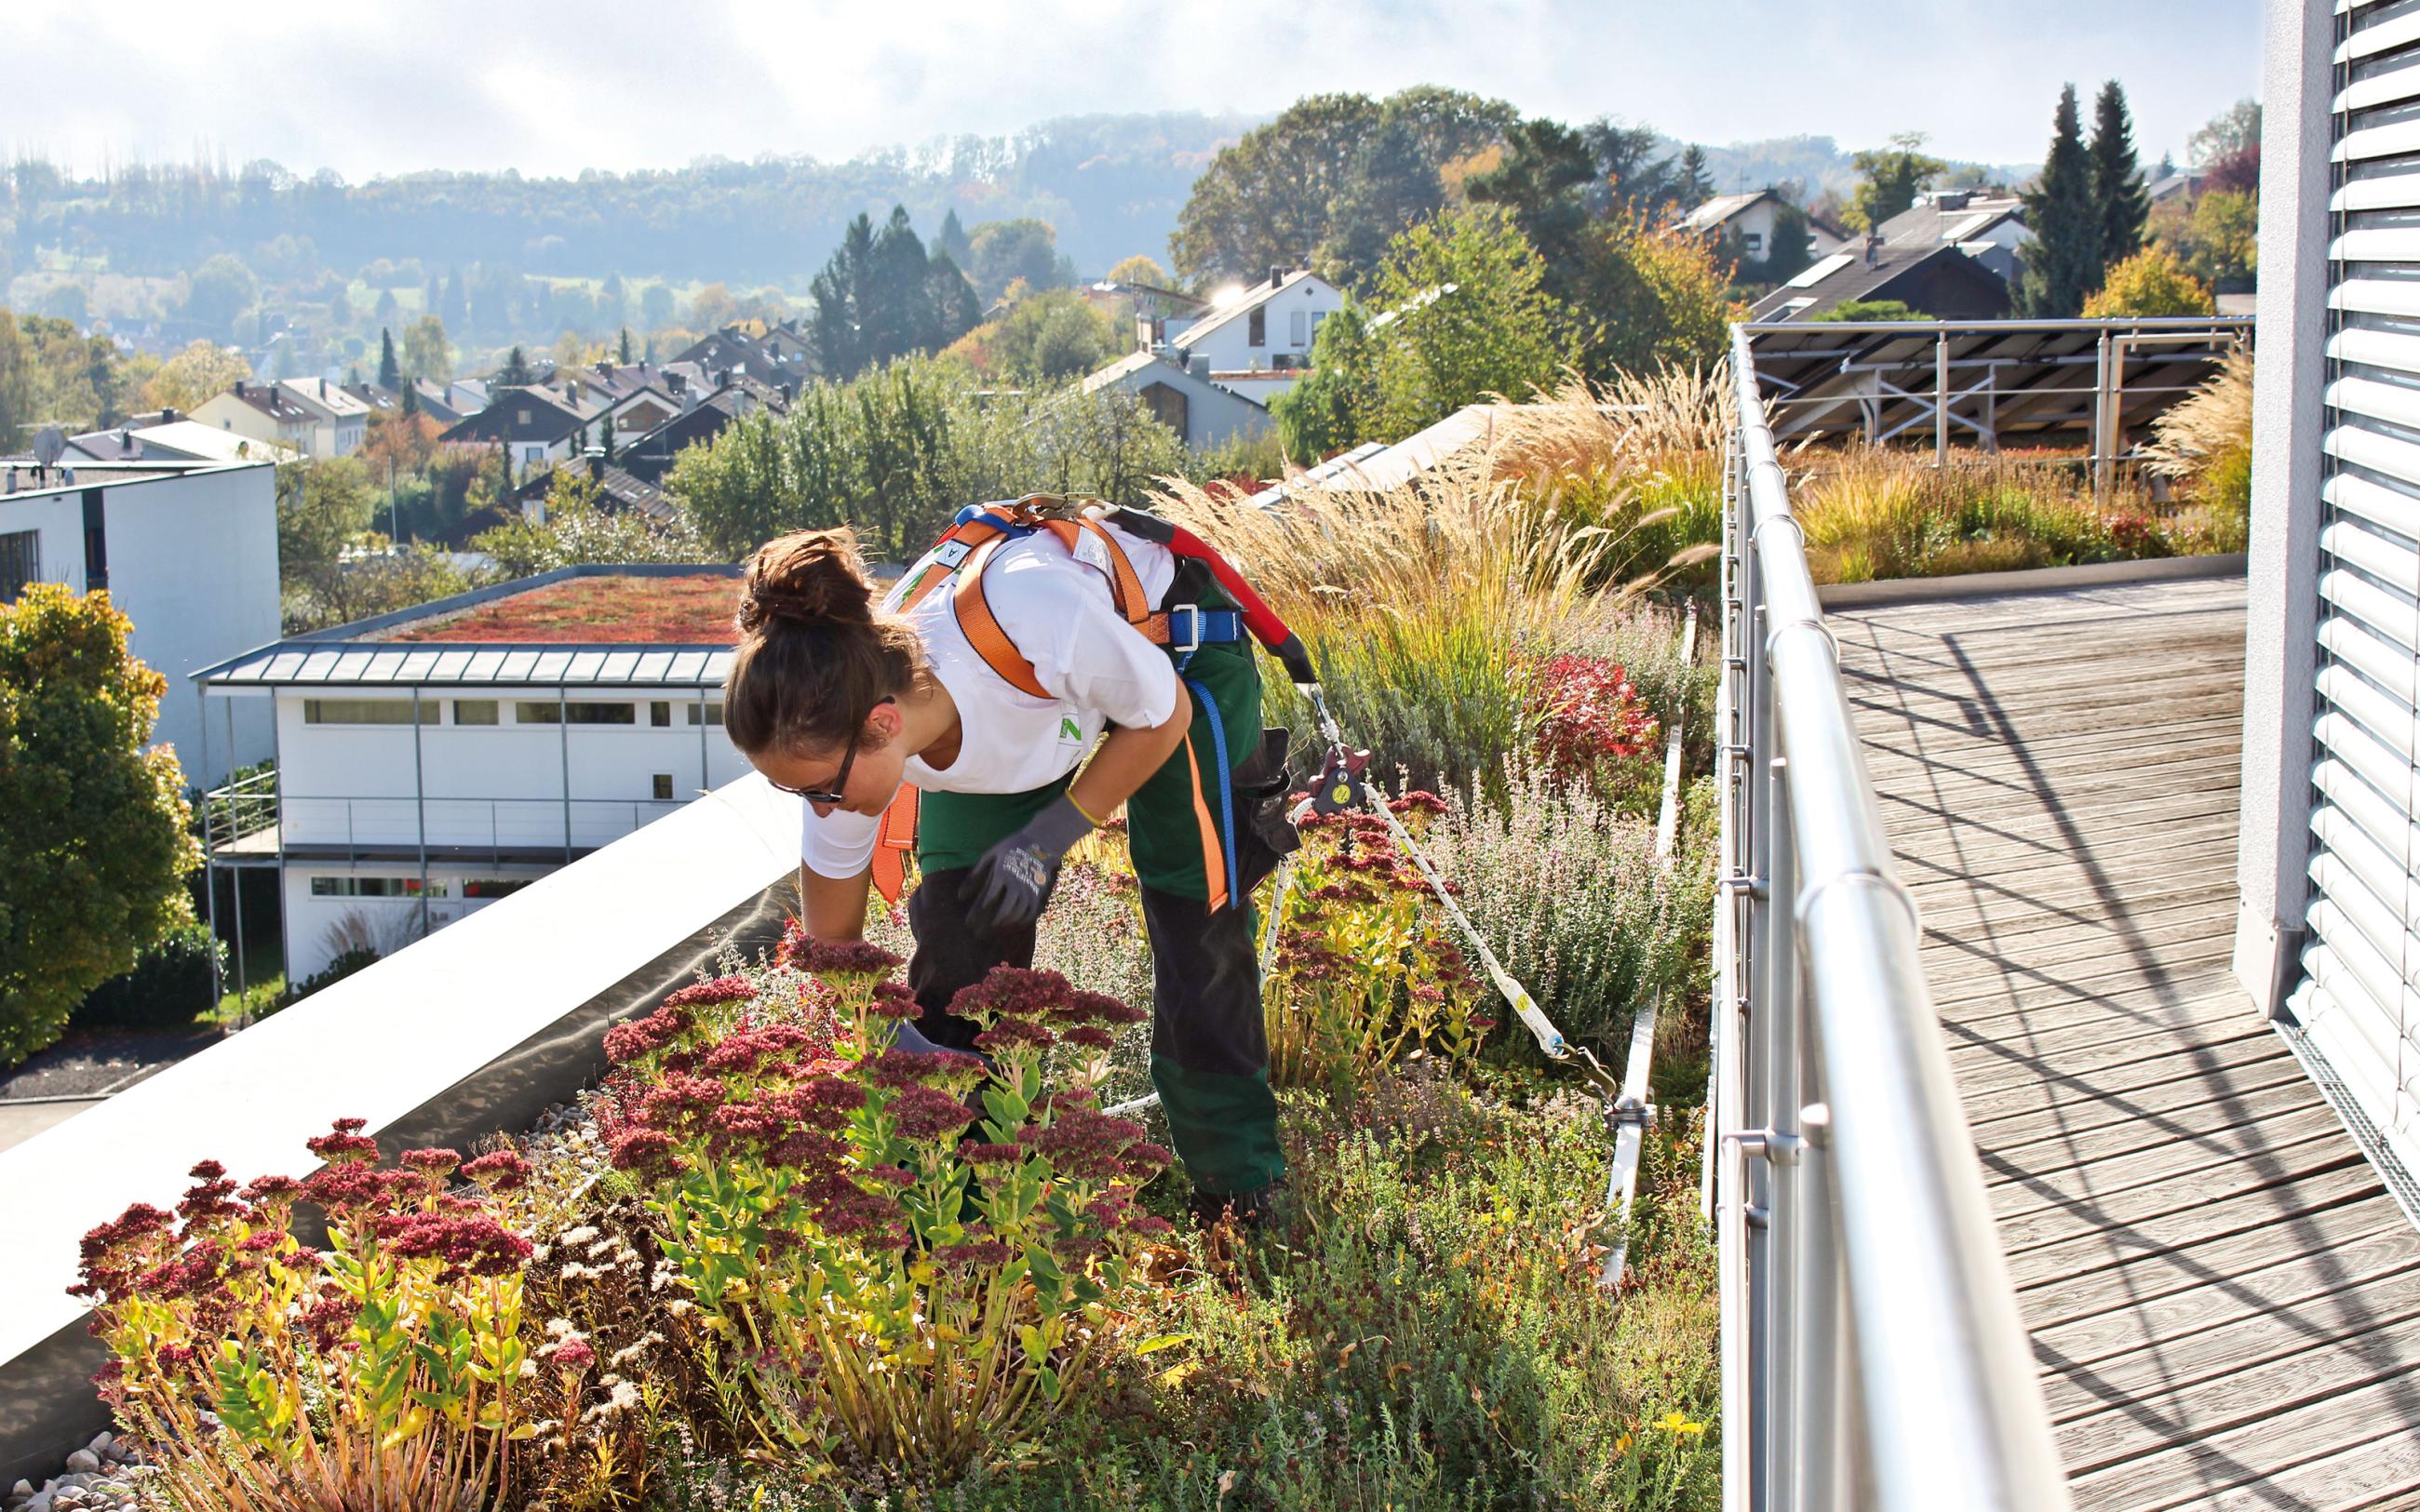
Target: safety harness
(1081,526)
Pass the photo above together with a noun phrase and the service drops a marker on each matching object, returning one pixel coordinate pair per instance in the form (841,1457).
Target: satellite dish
(50,446)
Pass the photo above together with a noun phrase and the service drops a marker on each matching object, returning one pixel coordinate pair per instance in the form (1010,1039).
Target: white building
(262,412)
(188,553)
(436,759)
(1259,343)
(2328,930)
(339,421)
(1749,220)
(1184,399)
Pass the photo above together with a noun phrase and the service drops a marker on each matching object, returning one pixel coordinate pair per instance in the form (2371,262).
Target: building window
(537,712)
(364,711)
(375,888)
(21,561)
(713,713)
(660,714)
(475,711)
(1754,240)
(1298,327)
(96,542)
(1256,326)
(495,886)
(663,781)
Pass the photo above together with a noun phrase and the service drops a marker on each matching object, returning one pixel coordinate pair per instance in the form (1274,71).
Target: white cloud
(622,83)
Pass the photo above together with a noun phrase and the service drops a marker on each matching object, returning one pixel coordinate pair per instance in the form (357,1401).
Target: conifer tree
(390,375)
(626,346)
(1693,185)
(2062,264)
(2117,192)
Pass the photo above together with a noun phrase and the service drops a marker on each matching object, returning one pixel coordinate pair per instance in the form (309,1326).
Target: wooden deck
(2223,1301)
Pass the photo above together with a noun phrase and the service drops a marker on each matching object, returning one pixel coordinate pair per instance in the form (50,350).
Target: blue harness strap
(1226,782)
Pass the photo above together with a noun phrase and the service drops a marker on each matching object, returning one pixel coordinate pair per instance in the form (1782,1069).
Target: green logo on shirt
(1069,728)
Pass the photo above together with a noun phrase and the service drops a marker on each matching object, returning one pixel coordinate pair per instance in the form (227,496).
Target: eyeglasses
(840,778)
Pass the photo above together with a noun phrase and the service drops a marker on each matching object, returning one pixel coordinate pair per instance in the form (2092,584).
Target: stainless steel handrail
(1872,1349)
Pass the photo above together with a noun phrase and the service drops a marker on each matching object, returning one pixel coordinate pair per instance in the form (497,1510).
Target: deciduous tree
(1889,178)
(194,375)
(427,352)
(95,852)
(2152,281)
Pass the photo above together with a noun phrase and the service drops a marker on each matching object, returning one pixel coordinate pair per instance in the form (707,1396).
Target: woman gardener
(962,710)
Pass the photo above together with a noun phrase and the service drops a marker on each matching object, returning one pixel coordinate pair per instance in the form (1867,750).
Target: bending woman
(841,704)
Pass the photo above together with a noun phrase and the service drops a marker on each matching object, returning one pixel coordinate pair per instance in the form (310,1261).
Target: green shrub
(171,983)
(1569,894)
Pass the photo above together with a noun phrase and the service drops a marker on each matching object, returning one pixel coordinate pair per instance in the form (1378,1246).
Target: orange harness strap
(1213,860)
(892,843)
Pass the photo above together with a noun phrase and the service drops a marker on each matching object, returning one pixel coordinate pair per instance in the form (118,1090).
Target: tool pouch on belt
(1262,786)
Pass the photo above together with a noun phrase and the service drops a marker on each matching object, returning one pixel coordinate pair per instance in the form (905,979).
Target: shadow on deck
(2223,1301)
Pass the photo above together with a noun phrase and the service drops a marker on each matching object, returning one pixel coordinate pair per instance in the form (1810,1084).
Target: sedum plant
(387,1372)
(1364,974)
(899,1257)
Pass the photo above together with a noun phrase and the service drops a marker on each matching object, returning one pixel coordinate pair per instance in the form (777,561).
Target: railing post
(1777,1006)
(1822,1383)
(1941,397)
(1756,1186)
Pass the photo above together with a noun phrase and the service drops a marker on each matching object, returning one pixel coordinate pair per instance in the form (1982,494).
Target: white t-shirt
(1060,614)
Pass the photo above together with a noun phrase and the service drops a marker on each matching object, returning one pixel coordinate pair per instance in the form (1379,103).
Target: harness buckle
(1195,623)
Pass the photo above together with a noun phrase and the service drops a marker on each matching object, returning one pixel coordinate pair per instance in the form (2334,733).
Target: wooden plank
(2227,1214)
(2029,872)
(2106,1067)
(2047,836)
(2382,1475)
(1936,855)
(2120,989)
(2119,1217)
(2086,907)
(2017,1118)
(2251,1308)
(2094,1185)
(2199,1468)
(2153,1421)
(2075,1023)
(2126,1084)
(2212,1262)
(2200,933)
(1988,796)
(2379,1289)
(1898,751)
(2214,1120)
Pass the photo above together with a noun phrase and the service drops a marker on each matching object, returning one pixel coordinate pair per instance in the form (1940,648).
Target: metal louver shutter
(2360,999)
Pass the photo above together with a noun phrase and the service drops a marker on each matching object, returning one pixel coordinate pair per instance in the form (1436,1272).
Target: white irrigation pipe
(1631,1111)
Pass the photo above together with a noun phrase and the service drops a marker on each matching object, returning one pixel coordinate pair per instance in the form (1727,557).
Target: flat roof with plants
(689,609)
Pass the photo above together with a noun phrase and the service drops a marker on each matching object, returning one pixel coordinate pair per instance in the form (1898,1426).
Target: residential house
(1939,282)
(1747,220)
(124,443)
(188,551)
(436,401)
(782,354)
(378,399)
(637,395)
(1987,228)
(617,489)
(339,422)
(650,458)
(2185,185)
(436,759)
(1183,399)
(262,412)
(1258,343)
(537,427)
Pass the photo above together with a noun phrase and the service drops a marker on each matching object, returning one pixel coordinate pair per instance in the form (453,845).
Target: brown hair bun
(811,577)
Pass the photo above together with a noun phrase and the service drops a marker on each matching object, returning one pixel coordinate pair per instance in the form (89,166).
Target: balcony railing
(1872,1354)
(240,810)
(339,828)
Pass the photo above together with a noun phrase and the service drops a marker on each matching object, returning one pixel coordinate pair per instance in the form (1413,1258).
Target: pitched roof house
(1989,228)
(1749,218)
(1941,282)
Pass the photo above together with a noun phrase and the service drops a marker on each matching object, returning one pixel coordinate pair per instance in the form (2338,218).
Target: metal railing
(1872,1354)
(240,810)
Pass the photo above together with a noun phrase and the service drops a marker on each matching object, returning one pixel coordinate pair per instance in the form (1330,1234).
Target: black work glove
(1006,888)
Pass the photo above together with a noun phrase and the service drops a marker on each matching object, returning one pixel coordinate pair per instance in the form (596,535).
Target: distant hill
(1110,184)
(1819,163)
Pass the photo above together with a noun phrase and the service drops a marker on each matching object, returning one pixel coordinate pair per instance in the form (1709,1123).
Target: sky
(549,88)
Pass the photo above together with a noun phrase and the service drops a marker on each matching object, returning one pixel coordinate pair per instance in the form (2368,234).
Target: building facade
(432,761)
(188,555)
(2328,925)
(1259,345)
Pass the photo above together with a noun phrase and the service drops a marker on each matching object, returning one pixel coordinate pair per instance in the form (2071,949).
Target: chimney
(276,394)
(723,378)
(239,387)
(1277,277)
(168,415)
(1198,363)
(604,368)
(597,463)
(789,392)
(678,383)
(1873,248)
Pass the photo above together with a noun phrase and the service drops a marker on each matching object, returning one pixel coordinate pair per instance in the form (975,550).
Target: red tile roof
(692,610)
